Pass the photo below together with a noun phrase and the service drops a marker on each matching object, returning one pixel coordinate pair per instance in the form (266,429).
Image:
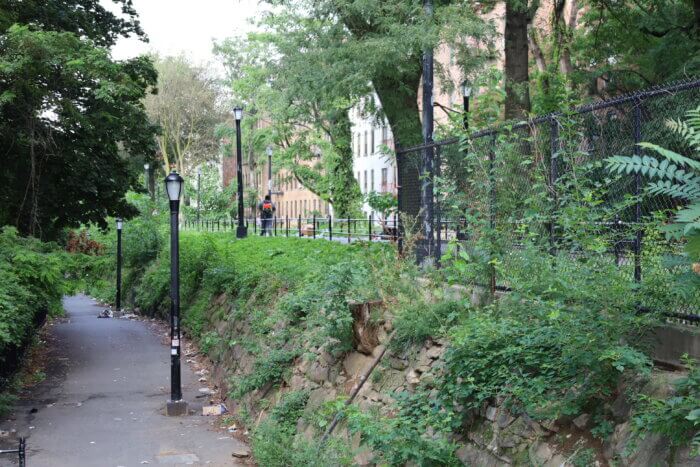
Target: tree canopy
(70,116)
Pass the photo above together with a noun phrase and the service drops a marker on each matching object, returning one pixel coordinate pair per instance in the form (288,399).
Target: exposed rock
(241,451)
(653,450)
(684,459)
(471,455)
(435,352)
(412,377)
(398,363)
(319,396)
(491,413)
(581,421)
(504,418)
(355,364)
(556,461)
(318,373)
(364,458)
(621,407)
(540,452)
(378,351)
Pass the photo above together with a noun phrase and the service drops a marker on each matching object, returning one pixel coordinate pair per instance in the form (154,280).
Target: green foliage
(33,278)
(268,368)
(416,322)
(677,175)
(546,357)
(677,417)
(57,160)
(275,445)
(418,431)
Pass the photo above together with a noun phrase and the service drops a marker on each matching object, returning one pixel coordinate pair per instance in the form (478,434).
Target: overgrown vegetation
(33,278)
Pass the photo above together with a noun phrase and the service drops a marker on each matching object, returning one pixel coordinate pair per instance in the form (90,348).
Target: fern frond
(687,191)
(673,156)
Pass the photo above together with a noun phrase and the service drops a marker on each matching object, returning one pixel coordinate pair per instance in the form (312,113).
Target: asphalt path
(102,402)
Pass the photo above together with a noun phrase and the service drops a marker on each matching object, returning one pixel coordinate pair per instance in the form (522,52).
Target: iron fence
(545,182)
(345,230)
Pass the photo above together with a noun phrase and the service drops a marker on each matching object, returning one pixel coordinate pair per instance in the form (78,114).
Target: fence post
(286,223)
(330,227)
(637,191)
(553,176)
(349,238)
(492,211)
(299,225)
(313,223)
(274,226)
(436,209)
(369,225)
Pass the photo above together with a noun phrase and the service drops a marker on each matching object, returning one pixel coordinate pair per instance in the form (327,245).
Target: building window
(371,181)
(385,180)
(365,182)
(371,148)
(385,134)
(365,144)
(305,208)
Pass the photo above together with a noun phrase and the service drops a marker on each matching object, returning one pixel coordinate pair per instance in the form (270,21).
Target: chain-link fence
(545,183)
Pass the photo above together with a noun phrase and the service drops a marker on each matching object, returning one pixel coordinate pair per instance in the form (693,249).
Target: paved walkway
(102,401)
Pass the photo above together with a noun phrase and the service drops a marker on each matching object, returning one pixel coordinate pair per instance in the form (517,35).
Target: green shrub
(540,356)
(275,445)
(33,278)
(418,321)
(677,417)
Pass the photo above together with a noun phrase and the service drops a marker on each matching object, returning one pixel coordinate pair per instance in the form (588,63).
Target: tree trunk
(398,94)
(344,190)
(696,10)
(517,103)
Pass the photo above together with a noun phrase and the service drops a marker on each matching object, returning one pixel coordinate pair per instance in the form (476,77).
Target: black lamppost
(119,264)
(175,406)
(199,189)
(269,172)
(242,230)
(466,93)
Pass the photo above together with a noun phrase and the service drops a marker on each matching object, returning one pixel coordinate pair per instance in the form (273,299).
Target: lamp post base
(176,408)
(241,231)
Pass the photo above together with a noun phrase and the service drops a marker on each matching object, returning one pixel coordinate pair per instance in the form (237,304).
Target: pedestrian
(267,210)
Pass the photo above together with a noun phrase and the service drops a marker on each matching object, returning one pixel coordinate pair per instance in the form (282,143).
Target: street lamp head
(173,185)
(238,113)
(146,166)
(466,88)
(269,151)
(199,171)
(120,223)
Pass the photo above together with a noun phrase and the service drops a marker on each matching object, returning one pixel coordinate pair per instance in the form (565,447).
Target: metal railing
(20,451)
(345,230)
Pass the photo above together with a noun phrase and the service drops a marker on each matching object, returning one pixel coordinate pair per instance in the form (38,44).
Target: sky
(185,26)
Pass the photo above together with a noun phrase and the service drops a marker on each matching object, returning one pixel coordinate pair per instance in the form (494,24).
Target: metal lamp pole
(119,264)
(241,230)
(199,189)
(175,406)
(269,171)
(466,93)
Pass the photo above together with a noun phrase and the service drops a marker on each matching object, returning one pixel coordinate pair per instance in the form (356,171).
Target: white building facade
(374,162)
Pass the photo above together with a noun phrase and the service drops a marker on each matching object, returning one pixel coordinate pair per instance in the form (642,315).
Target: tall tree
(186,108)
(629,45)
(517,61)
(380,44)
(69,115)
